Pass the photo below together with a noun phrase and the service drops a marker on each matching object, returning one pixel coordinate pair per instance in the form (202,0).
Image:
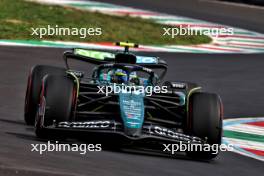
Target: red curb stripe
(202,47)
(256,152)
(260,124)
(240,36)
(243,44)
(216,48)
(136,13)
(104,43)
(199,25)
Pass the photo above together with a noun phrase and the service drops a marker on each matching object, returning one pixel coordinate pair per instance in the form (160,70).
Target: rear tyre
(56,103)
(33,89)
(205,121)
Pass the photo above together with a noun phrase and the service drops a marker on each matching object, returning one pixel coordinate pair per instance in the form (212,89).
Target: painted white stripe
(237,42)
(239,144)
(245,144)
(231,47)
(249,41)
(243,120)
(201,49)
(14,44)
(244,152)
(242,48)
(245,128)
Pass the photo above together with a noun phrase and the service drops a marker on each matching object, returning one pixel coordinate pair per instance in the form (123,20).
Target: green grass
(17,17)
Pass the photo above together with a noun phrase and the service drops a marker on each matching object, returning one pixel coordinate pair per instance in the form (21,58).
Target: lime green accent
(189,95)
(76,80)
(120,74)
(126,44)
(151,117)
(96,109)
(93,54)
(244,136)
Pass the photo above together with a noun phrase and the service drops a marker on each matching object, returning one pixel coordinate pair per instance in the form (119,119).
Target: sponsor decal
(179,85)
(132,109)
(87,124)
(93,54)
(147,69)
(146,60)
(79,74)
(165,132)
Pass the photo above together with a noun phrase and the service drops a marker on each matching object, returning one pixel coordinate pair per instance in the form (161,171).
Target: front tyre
(205,121)
(33,89)
(56,103)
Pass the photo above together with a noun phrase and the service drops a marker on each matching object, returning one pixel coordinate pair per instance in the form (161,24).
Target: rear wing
(101,57)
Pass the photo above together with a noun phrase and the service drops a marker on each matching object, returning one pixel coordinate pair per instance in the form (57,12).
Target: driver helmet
(119,76)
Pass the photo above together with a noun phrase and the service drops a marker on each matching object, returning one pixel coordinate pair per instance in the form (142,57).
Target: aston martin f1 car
(103,101)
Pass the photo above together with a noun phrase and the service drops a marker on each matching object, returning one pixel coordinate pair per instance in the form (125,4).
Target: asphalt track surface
(237,16)
(237,78)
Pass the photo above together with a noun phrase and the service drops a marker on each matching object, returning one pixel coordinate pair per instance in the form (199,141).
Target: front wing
(151,132)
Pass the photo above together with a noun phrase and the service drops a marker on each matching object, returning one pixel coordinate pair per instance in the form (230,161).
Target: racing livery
(67,99)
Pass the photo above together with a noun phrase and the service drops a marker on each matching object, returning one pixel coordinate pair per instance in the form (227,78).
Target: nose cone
(132,112)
